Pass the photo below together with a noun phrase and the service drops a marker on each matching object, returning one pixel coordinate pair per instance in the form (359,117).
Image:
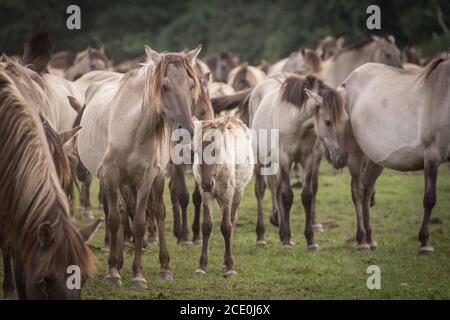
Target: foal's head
(175,86)
(213,151)
(330,123)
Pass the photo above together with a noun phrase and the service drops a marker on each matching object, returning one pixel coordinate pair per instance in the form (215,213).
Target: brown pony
(36,230)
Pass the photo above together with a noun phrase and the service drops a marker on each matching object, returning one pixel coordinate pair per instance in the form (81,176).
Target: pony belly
(402,159)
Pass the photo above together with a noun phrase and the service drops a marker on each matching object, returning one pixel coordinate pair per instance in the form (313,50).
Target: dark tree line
(254,29)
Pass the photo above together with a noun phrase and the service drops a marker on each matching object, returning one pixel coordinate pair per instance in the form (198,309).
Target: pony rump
(30,194)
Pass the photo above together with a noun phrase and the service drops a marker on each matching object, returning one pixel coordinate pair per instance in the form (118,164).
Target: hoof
(426,251)
(166,275)
(261,243)
(88,215)
(373,245)
(139,283)
(113,280)
(318,227)
(230,273)
(289,245)
(200,273)
(313,247)
(186,243)
(197,242)
(363,247)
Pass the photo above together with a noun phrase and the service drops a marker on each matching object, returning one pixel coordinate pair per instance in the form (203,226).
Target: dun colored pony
(222,176)
(290,108)
(398,120)
(35,225)
(125,142)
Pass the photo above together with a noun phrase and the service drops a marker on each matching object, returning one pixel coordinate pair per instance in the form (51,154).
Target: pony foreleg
(143,193)
(260,188)
(197,200)
(226,228)
(206,233)
(9,287)
(358,199)
(431,166)
(317,227)
(308,204)
(158,212)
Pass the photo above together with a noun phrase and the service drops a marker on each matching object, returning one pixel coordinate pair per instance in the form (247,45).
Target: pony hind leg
(197,200)
(431,165)
(115,228)
(173,187)
(183,201)
(260,188)
(85,200)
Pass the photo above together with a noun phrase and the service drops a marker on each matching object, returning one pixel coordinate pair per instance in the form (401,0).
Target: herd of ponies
(67,117)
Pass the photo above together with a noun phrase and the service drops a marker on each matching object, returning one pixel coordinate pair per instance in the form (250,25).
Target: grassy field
(336,271)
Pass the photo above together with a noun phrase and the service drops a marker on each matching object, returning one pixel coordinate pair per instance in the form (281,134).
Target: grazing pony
(36,231)
(125,141)
(222,175)
(394,119)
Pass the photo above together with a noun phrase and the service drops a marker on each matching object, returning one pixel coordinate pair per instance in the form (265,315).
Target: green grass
(336,271)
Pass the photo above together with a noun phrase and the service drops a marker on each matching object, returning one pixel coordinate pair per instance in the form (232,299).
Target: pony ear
(88,231)
(152,55)
(312,95)
(76,105)
(391,38)
(340,41)
(45,234)
(69,134)
(192,55)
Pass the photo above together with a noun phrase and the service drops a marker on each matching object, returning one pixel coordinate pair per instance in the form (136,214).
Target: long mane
(30,194)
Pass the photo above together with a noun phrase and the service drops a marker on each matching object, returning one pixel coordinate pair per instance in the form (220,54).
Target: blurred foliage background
(253,29)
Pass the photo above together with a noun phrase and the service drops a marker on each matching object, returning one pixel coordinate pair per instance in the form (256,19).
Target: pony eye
(328,123)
